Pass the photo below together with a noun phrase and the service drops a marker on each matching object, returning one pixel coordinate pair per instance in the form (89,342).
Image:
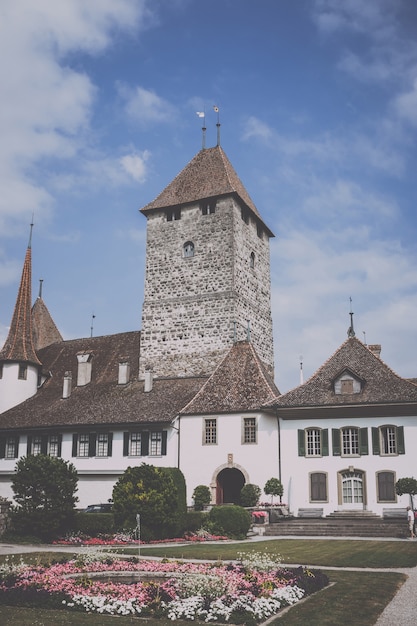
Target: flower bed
(120,539)
(250,590)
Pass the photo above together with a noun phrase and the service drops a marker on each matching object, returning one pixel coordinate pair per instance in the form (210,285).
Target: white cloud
(254,128)
(405,104)
(135,165)
(144,106)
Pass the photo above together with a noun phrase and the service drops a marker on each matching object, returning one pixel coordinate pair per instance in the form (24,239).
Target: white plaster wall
(296,469)
(200,463)
(13,390)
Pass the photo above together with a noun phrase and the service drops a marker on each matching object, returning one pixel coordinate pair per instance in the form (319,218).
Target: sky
(318,109)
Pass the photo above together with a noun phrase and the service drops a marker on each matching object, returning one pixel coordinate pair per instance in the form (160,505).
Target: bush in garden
(230,520)
(273,487)
(194,521)
(44,488)
(181,506)
(201,497)
(407,485)
(250,494)
(152,493)
(93,524)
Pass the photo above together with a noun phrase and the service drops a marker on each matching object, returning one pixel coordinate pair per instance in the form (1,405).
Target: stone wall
(195,307)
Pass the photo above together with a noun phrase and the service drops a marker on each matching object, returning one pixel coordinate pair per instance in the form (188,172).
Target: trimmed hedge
(230,520)
(93,524)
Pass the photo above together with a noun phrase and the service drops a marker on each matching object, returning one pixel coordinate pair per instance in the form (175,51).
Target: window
(259,230)
(208,207)
(36,445)
(388,440)
(318,487)
(135,444)
(155,444)
(83,445)
(313,442)
(350,441)
(386,486)
(347,383)
(102,444)
(210,431)
(346,386)
(54,445)
(249,430)
(173,215)
(9,447)
(23,371)
(252,260)
(244,213)
(188,249)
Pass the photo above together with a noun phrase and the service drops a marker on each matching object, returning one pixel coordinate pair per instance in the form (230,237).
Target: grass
(356,598)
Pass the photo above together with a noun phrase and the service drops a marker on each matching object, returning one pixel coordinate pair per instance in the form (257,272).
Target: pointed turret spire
(351,330)
(19,345)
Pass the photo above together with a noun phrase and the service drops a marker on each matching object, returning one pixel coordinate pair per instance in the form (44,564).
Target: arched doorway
(228,486)
(352,489)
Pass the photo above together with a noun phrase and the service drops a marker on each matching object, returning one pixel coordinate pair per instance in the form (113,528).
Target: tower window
(245,215)
(23,371)
(208,207)
(252,260)
(188,249)
(259,231)
(173,215)
(1,370)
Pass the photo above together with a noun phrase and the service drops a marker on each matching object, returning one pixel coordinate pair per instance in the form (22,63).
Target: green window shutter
(74,444)
(110,444)
(400,440)
(16,450)
(363,441)
(29,445)
(92,444)
(325,442)
(2,447)
(44,444)
(144,440)
(164,442)
(59,444)
(336,441)
(301,443)
(375,440)
(125,444)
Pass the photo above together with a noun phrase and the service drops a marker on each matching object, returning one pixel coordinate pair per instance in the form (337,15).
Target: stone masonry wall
(191,304)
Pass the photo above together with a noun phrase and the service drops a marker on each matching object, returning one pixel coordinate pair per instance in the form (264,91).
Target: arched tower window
(252,260)
(188,249)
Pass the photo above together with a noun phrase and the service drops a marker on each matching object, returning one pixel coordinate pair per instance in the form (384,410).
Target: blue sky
(318,111)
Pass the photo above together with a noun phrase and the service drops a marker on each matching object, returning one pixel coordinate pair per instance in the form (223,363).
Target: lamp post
(138,532)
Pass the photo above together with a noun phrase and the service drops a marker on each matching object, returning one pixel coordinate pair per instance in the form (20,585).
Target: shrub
(180,513)
(250,494)
(273,487)
(44,489)
(231,520)
(194,521)
(201,497)
(152,493)
(93,524)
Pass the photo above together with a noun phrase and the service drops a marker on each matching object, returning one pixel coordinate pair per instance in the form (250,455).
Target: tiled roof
(19,344)
(103,401)
(239,383)
(45,331)
(380,383)
(207,175)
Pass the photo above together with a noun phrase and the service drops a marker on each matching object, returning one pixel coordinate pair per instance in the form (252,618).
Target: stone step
(338,528)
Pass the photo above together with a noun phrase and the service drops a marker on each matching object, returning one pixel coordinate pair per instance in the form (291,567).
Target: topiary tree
(250,494)
(230,520)
(273,487)
(44,489)
(201,497)
(407,485)
(152,493)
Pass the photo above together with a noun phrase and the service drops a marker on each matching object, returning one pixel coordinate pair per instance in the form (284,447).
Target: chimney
(67,386)
(124,373)
(84,368)
(375,349)
(148,380)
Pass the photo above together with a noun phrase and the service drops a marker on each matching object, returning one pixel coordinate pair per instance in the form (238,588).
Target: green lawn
(356,598)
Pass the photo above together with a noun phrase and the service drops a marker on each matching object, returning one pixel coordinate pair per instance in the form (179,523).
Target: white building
(194,388)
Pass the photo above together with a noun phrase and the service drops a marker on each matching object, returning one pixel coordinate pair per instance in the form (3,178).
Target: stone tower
(207,280)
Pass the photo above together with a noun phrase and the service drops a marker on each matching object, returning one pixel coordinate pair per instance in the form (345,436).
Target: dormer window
(173,215)
(208,207)
(23,371)
(188,249)
(347,384)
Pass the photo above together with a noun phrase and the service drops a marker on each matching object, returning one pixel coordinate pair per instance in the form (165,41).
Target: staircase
(340,524)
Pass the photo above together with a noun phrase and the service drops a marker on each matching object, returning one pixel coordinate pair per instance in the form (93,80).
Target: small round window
(188,249)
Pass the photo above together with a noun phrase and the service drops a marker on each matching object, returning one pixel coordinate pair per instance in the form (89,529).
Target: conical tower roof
(209,174)
(45,331)
(19,345)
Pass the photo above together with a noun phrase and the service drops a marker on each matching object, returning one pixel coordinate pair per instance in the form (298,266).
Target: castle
(194,388)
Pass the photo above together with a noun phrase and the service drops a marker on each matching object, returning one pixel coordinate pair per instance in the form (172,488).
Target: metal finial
(216,109)
(92,324)
(301,370)
(351,330)
(364,337)
(40,287)
(202,114)
(30,235)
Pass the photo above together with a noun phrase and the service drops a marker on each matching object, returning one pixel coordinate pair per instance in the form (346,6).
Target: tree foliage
(152,493)
(273,487)
(250,494)
(406,485)
(44,489)
(201,497)
(230,520)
